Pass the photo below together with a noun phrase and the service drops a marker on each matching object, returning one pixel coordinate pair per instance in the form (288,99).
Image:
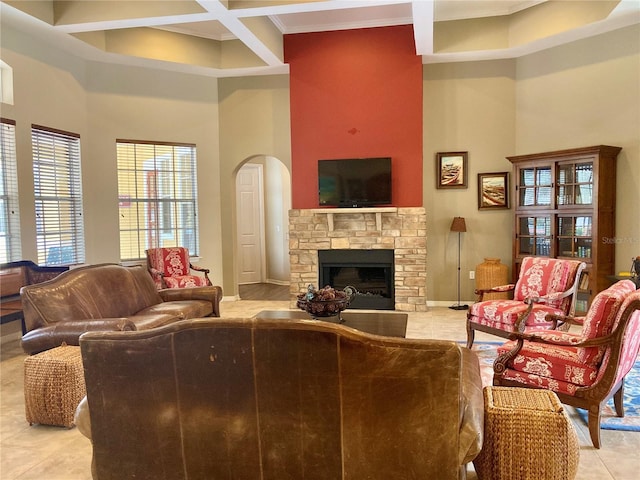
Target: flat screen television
(354,182)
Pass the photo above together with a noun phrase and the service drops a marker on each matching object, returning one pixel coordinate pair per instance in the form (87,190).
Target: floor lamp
(458,225)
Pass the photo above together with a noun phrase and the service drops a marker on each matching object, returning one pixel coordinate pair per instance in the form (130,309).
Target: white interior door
(250,224)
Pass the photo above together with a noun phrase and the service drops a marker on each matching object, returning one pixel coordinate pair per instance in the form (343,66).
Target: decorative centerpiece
(325,302)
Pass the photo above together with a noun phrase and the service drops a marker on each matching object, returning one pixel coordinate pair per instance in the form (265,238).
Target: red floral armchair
(585,368)
(545,286)
(171,268)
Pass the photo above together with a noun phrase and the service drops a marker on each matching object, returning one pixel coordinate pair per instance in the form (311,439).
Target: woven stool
(53,386)
(527,436)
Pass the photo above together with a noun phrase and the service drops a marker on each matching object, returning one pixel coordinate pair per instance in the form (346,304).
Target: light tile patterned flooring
(54,453)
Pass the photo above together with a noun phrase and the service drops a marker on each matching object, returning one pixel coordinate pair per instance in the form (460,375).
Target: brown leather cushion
(181,310)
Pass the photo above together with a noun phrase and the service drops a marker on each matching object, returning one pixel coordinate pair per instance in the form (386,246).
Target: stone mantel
(377,211)
(400,229)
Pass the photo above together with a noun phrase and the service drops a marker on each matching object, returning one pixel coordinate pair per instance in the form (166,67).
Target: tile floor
(54,453)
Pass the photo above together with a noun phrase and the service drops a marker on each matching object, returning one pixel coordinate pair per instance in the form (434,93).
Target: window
(9,216)
(157,192)
(58,196)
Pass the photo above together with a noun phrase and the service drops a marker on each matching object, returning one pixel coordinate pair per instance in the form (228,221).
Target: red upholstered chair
(171,268)
(585,369)
(545,286)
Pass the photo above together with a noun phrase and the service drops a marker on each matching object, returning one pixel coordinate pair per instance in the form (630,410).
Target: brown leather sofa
(106,297)
(253,399)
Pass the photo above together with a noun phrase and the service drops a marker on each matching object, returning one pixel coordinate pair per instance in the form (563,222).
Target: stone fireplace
(398,230)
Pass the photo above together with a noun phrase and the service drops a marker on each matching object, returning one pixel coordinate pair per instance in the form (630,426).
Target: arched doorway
(263,201)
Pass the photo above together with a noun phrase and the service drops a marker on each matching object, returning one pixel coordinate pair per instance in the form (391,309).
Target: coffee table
(378,322)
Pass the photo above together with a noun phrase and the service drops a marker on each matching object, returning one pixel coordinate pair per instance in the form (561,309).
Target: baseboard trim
(10,337)
(230,298)
(440,303)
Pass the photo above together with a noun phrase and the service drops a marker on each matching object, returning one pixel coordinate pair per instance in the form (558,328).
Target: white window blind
(157,189)
(57,189)
(10,248)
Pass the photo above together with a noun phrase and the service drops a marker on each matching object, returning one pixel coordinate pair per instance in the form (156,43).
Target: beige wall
(139,104)
(277,193)
(584,93)
(467,107)
(588,93)
(254,121)
(39,71)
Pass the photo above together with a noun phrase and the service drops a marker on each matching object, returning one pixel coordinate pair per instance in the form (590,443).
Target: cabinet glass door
(534,186)
(534,235)
(574,236)
(575,183)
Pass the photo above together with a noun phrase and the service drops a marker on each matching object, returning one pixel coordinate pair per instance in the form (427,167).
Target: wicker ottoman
(53,386)
(527,436)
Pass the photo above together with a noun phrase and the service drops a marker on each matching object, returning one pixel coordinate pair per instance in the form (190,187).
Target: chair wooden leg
(594,424)
(617,400)
(470,334)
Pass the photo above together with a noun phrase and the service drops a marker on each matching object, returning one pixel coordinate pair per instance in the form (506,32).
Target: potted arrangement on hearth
(325,302)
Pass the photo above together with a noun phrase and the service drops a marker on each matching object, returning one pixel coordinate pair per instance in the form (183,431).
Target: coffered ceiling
(223,38)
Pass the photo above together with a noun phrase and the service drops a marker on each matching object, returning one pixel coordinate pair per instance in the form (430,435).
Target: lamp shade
(458,225)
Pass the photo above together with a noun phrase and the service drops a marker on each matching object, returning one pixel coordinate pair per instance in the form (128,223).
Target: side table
(53,386)
(527,436)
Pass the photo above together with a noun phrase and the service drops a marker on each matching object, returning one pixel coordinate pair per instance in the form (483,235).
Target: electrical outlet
(472,274)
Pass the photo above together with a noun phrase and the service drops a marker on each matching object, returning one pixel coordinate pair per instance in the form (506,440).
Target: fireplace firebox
(370,272)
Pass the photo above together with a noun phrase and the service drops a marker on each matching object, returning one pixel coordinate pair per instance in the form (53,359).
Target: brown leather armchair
(276,399)
(106,297)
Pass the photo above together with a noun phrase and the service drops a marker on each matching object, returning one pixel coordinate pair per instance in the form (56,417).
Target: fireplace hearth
(370,272)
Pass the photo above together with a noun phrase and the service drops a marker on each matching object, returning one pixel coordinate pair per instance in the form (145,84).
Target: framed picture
(452,169)
(493,190)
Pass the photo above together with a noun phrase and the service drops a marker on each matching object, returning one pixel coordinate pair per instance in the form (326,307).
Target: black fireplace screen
(370,272)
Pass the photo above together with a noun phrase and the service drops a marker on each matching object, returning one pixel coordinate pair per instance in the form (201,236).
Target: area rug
(487,352)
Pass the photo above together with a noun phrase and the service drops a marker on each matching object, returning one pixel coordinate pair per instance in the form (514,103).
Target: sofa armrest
(550,298)
(560,320)
(211,294)
(198,268)
(543,299)
(472,404)
(69,332)
(481,292)
(81,418)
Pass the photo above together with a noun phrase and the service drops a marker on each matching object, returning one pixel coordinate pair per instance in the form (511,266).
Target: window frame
(10,244)
(57,188)
(158,196)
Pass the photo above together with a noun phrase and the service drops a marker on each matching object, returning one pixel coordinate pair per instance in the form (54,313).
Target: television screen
(355,182)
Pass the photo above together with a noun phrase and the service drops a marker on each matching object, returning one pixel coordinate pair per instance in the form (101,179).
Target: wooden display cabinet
(565,208)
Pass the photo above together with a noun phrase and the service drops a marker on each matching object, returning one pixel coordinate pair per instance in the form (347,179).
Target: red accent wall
(354,94)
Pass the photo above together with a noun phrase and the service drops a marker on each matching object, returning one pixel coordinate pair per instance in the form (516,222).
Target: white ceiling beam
(246,36)
(134,22)
(243,33)
(423,18)
(308,7)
